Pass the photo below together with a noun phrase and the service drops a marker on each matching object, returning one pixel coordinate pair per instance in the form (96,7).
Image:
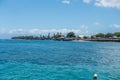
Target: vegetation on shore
(59,36)
(55,36)
(117,34)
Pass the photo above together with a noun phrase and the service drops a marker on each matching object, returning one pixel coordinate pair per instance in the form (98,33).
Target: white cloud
(108,3)
(86,1)
(115,26)
(16,31)
(96,23)
(83,27)
(66,1)
(98,3)
(37,31)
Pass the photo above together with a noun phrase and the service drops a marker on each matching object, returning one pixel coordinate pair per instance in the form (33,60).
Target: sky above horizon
(33,17)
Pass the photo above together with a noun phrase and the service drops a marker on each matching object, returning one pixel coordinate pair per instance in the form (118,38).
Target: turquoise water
(56,60)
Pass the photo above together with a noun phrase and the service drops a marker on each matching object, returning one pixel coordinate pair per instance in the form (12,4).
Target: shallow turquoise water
(54,60)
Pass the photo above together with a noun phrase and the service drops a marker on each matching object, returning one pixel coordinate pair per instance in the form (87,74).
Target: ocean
(58,60)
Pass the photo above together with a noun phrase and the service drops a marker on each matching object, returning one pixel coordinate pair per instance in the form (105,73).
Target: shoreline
(83,40)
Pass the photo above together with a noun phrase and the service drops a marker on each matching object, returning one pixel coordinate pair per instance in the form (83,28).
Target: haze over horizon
(26,17)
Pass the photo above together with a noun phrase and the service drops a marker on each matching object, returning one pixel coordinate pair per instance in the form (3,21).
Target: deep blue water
(57,60)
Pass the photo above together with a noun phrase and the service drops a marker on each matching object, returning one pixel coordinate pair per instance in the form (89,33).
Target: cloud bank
(37,31)
(108,3)
(99,3)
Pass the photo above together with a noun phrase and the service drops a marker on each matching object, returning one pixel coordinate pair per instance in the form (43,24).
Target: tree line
(107,35)
(55,36)
(58,36)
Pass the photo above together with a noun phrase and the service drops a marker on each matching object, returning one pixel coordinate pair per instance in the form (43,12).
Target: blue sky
(33,17)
